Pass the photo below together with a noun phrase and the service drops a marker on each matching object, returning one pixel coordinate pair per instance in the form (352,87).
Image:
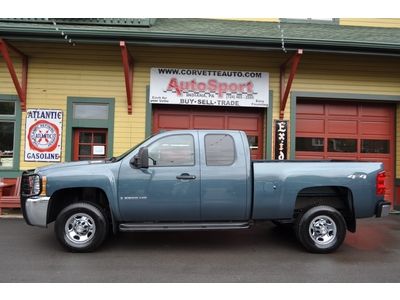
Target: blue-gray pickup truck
(201,180)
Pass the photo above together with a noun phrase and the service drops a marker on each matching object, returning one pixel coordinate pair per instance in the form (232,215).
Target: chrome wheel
(80,228)
(322,230)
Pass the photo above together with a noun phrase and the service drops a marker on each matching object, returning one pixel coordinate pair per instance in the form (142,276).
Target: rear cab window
(220,150)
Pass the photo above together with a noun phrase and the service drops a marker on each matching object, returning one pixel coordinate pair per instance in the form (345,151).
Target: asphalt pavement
(263,254)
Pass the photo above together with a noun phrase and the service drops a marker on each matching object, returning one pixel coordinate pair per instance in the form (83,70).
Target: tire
(321,229)
(81,227)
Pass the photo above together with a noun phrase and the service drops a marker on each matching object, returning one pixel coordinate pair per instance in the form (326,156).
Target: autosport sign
(43,135)
(209,87)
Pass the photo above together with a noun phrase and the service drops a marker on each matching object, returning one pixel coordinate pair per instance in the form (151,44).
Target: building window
(85,111)
(342,145)
(9,124)
(375,146)
(311,144)
(90,144)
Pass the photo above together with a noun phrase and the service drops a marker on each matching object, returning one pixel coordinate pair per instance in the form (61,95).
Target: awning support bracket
(127,62)
(22,87)
(285,87)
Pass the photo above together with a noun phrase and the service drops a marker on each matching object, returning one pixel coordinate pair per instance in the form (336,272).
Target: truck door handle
(185,176)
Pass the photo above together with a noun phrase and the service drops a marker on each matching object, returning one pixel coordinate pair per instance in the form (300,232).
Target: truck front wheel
(81,227)
(321,229)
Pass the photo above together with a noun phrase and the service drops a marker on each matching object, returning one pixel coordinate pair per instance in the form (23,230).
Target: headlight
(33,188)
(35,185)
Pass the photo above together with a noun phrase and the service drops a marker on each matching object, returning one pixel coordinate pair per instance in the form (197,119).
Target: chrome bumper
(36,211)
(383,209)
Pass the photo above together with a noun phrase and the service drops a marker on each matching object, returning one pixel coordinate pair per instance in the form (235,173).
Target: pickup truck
(201,180)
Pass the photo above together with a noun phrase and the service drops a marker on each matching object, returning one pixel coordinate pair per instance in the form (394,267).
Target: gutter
(95,36)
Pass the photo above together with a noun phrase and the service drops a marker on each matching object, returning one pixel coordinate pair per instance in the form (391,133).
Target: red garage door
(347,131)
(168,117)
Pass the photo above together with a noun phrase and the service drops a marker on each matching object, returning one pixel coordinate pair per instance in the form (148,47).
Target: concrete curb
(11,216)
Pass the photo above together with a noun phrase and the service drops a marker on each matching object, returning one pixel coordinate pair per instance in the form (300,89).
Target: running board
(182,226)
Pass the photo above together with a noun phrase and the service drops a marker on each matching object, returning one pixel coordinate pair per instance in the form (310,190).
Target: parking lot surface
(262,254)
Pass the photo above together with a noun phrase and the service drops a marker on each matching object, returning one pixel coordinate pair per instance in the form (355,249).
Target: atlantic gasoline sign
(43,135)
(209,87)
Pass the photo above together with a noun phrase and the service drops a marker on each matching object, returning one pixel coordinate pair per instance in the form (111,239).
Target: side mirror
(141,160)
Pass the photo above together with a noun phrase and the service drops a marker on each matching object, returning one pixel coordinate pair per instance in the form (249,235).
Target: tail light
(380,184)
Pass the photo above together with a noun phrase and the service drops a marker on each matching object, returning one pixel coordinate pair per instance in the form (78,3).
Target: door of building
(169,117)
(89,144)
(347,131)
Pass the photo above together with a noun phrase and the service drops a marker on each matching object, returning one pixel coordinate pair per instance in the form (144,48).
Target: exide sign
(209,87)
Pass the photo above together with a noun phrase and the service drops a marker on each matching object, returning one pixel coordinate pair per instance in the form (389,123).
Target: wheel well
(62,198)
(340,198)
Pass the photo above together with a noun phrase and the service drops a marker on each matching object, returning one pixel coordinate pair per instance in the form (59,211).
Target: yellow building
(104,80)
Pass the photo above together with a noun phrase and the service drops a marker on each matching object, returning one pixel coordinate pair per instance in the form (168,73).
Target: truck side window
(220,150)
(175,150)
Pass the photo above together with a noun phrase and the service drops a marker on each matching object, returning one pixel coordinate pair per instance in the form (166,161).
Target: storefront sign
(43,135)
(281,136)
(209,87)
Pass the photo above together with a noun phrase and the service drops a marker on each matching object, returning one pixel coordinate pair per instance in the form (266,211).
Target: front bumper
(383,209)
(35,210)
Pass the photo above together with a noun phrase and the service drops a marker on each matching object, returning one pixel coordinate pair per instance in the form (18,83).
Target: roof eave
(198,40)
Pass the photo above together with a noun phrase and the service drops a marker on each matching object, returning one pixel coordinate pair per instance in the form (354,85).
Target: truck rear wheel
(321,229)
(81,227)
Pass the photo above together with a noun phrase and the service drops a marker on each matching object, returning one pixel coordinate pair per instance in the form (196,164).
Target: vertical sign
(281,137)
(43,135)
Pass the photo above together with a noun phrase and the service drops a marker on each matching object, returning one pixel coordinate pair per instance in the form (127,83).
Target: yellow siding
(58,71)
(373,22)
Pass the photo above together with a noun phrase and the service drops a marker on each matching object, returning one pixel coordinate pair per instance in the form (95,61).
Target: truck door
(225,175)
(169,190)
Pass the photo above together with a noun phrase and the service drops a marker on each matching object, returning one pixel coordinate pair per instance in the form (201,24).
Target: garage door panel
(374,127)
(311,108)
(178,121)
(307,156)
(205,122)
(341,157)
(236,123)
(375,111)
(342,110)
(341,127)
(310,126)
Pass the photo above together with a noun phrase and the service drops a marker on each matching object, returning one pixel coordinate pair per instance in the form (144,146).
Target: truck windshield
(118,158)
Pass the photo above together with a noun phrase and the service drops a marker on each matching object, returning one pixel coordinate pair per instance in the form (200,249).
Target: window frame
(16,119)
(89,123)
